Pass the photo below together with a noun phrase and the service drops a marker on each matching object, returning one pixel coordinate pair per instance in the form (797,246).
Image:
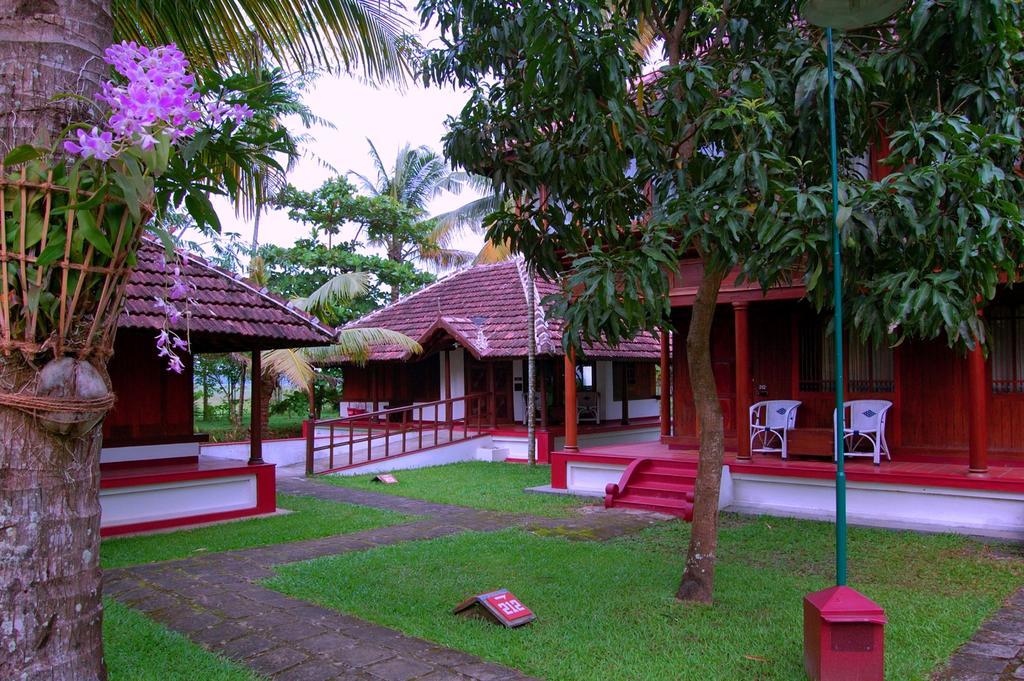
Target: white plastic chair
(588,406)
(770,421)
(864,421)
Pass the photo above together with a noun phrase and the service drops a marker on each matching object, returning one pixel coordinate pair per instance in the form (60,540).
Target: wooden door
(476,382)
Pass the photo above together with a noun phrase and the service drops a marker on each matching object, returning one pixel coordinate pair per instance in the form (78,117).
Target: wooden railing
(351,440)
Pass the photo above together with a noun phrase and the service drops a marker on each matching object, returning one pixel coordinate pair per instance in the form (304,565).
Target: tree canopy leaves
(721,151)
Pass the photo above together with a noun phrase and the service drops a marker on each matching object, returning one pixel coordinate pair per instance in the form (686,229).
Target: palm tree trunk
(240,417)
(49,47)
(49,549)
(268,384)
(206,396)
(50,602)
(531,370)
(699,577)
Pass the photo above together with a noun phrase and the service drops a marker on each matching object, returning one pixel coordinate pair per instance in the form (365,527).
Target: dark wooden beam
(448,388)
(741,321)
(624,374)
(977,391)
(492,399)
(665,380)
(542,372)
(256,409)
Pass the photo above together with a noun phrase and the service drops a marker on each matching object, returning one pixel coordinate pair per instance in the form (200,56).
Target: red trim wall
(266,490)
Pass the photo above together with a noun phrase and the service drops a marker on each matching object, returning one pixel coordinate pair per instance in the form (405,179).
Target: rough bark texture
(48,47)
(50,605)
(268,385)
(699,576)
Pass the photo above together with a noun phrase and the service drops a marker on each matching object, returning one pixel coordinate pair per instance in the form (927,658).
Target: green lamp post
(843,637)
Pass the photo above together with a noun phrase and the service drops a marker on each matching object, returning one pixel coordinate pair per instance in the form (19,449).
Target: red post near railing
(571,441)
(451,419)
(405,421)
(310,442)
(369,439)
(331,443)
(473,405)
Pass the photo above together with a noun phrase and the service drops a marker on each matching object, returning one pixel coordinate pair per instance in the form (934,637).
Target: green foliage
(298,271)
(310,518)
(135,648)
(722,152)
(605,609)
(240,162)
(490,486)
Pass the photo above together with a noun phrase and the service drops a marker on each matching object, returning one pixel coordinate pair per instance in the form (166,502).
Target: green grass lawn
(138,649)
(223,430)
(606,610)
(478,484)
(310,518)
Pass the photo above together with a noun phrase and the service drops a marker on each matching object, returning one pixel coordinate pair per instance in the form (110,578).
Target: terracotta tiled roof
(226,313)
(484,309)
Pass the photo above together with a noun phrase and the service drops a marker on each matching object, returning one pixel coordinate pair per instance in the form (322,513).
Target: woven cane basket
(64,266)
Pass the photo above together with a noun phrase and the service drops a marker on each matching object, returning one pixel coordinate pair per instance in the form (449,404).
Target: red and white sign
(507,606)
(502,605)
(386,478)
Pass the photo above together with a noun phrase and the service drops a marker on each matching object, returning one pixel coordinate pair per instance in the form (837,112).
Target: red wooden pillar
(665,403)
(680,390)
(448,389)
(571,440)
(977,392)
(492,401)
(256,409)
(742,328)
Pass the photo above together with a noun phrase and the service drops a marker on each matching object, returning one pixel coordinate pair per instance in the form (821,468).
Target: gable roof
(484,308)
(226,312)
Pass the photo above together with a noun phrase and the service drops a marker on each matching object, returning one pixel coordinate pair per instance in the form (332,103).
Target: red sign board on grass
(500,605)
(386,478)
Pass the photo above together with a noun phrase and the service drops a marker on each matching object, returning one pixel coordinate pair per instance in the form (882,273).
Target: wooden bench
(810,442)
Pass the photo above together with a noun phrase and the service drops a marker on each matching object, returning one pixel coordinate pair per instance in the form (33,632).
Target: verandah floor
(901,470)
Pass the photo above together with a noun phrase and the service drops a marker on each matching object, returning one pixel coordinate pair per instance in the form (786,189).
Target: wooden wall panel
(153,404)
(933,388)
(770,352)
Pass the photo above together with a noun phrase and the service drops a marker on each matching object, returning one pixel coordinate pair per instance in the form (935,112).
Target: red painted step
(655,485)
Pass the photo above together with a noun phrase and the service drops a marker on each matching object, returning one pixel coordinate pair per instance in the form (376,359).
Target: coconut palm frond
(454,223)
(492,252)
(337,289)
(291,365)
(444,259)
(355,345)
(304,35)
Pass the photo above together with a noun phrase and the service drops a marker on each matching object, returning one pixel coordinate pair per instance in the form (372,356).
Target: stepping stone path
(995,652)
(217,601)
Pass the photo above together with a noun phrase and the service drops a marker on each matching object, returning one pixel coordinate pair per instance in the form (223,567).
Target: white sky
(385,115)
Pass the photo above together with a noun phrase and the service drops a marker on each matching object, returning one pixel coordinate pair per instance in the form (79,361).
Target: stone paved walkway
(995,652)
(217,601)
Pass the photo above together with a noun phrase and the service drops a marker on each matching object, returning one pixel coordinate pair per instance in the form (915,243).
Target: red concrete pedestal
(844,636)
